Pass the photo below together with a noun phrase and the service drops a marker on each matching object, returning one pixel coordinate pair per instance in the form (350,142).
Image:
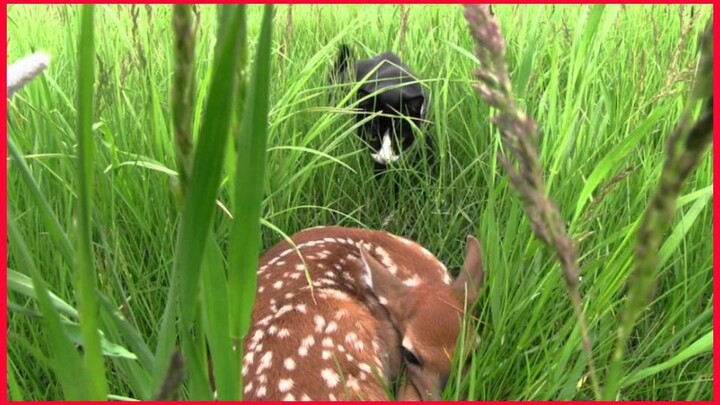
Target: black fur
(390,88)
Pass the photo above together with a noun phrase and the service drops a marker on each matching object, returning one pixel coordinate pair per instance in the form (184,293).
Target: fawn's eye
(411,358)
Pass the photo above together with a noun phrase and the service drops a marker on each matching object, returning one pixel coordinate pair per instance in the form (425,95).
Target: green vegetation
(95,201)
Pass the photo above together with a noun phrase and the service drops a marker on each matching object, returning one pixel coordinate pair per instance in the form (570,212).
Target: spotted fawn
(340,314)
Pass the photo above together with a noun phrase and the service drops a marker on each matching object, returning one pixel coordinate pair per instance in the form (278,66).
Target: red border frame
(3,168)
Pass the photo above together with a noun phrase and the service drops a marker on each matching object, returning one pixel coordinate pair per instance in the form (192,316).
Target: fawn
(339,314)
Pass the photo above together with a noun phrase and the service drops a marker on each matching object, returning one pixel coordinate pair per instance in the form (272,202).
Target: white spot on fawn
(305,397)
(265,363)
(261,391)
(306,344)
(301,308)
(319,323)
(330,377)
(352,383)
(366,277)
(283,309)
(326,355)
(295,276)
(285,384)
(289,364)
(327,342)
(331,293)
(249,358)
(289,397)
(389,264)
(248,388)
(257,335)
(414,281)
(278,285)
(331,327)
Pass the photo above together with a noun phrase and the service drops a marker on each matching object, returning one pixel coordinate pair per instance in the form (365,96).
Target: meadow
(606,85)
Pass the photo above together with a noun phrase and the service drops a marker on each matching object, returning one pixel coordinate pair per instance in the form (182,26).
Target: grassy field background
(605,94)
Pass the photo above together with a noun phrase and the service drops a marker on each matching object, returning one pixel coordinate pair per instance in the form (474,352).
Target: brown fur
(362,345)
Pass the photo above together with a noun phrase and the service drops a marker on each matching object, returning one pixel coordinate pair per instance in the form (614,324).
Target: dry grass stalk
(404,16)
(287,38)
(590,212)
(183,92)
(686,147)
(170,389)
(134,15)
(23,71)
(519,134)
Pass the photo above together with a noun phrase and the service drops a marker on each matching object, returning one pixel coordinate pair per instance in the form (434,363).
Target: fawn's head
(428,319)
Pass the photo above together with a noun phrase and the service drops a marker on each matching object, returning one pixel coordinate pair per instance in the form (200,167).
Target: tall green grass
(606,88)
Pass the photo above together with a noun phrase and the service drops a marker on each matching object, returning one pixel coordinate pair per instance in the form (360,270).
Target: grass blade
(85,260)
(614,157)
(701,346)
(686,146)
(69,368)
(249,177)
(51,221)
(216,320)
(206,172)
(199,206)
(23,284)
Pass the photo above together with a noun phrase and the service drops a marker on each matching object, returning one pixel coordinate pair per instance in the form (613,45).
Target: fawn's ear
(471,276)
(386,286)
